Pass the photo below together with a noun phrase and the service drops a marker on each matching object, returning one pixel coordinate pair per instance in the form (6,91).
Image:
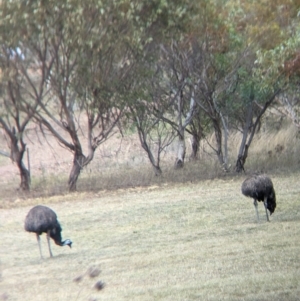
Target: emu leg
(265,203)
(39,243)
(256,208)
(48,239)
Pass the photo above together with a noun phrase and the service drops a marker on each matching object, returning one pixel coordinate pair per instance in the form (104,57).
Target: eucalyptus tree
(273,32)
(164,106)
(213,61)
(145,95)
(13,120)
(177,60)
(156,96)
(24,71)
(153,132)
(256,103)
(83,78)
(83,43)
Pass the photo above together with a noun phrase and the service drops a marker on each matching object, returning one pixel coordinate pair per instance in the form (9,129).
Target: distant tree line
(164,67)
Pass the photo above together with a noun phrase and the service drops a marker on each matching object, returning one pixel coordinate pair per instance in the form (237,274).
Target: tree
(14,122)
(80,42)
(145,96)
(83,78)
(157,95)
(21,89)
(197,129)
(251,125)
(182,104)
(154,135)
(213,82)
(272,30)
(167,98)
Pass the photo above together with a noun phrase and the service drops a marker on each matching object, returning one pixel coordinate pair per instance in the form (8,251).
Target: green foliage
(272,30)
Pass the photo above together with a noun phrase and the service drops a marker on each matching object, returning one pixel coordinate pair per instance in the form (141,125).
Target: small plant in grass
(89,275)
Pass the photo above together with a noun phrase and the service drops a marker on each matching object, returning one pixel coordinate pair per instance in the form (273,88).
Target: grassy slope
(197,241)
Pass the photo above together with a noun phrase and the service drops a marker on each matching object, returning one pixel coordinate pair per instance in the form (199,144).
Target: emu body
(260,188)
(41,219)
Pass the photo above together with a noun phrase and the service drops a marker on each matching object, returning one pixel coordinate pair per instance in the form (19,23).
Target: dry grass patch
(196,241)
(272,150)
(122,163)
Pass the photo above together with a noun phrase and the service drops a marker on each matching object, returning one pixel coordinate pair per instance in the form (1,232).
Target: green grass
(193,241)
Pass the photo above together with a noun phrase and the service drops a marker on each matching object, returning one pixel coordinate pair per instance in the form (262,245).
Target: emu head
(55,234)
(67,242)
(271,202)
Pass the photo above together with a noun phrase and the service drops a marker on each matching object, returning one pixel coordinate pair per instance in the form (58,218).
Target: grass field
(196,241)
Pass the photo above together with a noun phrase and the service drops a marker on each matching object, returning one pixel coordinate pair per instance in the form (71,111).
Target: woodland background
(135,93)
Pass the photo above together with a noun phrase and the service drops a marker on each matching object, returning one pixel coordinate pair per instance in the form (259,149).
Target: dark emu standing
(43,219)
(260,188)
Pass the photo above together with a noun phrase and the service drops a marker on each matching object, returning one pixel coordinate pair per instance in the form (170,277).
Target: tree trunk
(25,177)
(154,163)
(179,162)
(157,170)
(226,133)
(195,146)
(180,152)
(196,131)
(78,163)
(17,157)
(243,152)
(218,135)
(242,160)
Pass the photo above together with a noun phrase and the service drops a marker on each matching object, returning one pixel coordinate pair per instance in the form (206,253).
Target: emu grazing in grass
(43,219)
(260,188)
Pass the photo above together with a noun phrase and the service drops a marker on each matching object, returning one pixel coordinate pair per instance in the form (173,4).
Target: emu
(260,188)
(43,219)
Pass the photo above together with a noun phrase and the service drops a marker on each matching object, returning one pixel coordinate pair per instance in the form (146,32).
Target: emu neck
(59,243)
